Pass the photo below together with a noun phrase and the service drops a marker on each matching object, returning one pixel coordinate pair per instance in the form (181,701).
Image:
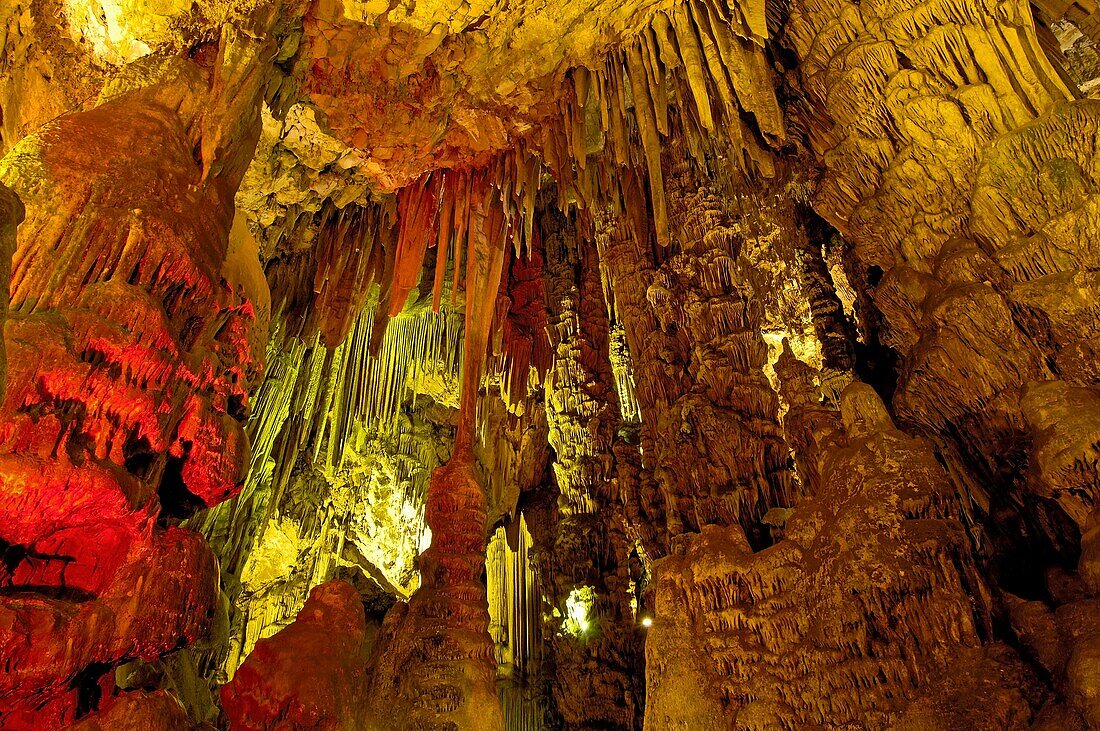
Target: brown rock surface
(863,606)
(595,657)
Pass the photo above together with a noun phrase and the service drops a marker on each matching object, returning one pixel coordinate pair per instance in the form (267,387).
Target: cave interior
(524,365)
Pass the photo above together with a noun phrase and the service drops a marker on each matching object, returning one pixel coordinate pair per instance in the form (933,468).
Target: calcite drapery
(966,274)
(861,607)
(132,342)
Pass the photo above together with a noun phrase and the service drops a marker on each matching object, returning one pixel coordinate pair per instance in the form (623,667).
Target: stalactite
(514,609)
(520,347)
(333,418)
(686,50)
(334,403)
(445,624)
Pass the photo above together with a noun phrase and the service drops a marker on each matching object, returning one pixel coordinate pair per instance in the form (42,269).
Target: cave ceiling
(408,86)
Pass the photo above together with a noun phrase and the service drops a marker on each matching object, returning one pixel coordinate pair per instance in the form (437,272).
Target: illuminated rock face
(132,342)
(602,265)
(331,636)
(434,665)
(595,646)
(863,606)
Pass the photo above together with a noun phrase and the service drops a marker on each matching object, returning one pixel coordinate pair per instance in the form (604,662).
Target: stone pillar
(132,342)
(596,665)
(710,428)
(434,667)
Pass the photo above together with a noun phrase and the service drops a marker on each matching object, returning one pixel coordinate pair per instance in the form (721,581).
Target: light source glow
(578,611)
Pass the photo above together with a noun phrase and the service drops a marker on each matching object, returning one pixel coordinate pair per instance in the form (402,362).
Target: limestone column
(597,664)
(434,667)
(711,434)
(132,342)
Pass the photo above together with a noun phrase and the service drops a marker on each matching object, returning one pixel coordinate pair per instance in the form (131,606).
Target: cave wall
(596,658)
(131,356)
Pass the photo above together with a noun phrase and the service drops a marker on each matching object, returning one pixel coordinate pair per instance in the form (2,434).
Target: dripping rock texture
(468,366)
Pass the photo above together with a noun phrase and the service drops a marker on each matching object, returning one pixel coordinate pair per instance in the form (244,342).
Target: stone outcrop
(867,602)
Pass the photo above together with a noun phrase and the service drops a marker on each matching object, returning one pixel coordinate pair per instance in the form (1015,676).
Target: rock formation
(674,365)
(596,655)
(132,342)
(270,690)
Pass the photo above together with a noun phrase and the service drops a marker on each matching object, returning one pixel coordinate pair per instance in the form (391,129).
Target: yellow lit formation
(578,611)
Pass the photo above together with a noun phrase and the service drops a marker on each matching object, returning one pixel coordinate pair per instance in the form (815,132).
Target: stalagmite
(443,631)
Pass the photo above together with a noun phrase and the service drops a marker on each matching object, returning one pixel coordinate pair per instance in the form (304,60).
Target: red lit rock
(309,675)
(124,368)
(158,710)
